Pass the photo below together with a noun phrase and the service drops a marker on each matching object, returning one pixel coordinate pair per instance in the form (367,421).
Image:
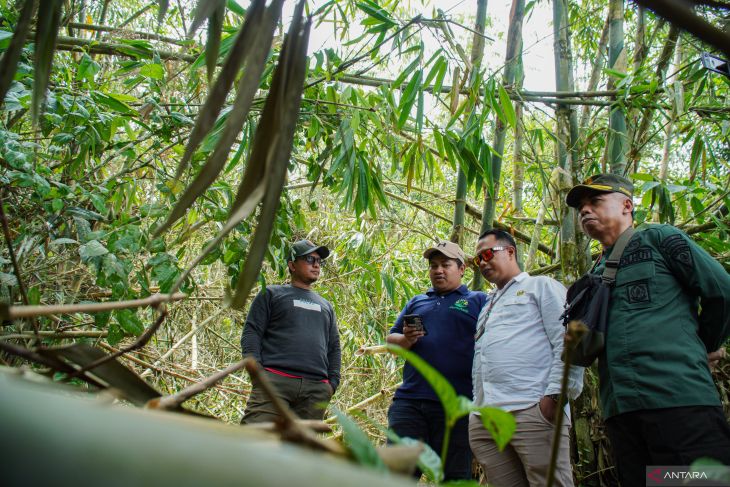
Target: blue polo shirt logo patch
(461,305)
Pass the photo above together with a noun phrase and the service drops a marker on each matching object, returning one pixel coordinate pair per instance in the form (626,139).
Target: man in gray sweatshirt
(292,332)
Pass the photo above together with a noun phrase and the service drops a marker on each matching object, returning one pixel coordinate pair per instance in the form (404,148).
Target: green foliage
(358,443)
(120,140)
(500,424)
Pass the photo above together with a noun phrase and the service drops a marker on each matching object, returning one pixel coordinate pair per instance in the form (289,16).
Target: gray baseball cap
(305,247)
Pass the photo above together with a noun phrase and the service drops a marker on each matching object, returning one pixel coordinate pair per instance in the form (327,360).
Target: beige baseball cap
(449,249)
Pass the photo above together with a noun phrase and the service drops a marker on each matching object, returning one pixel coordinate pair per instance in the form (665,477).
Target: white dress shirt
(517,358)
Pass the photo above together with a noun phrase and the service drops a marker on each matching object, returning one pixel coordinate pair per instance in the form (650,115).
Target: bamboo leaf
(453,407)
(162,10)
(274,138)
(112,102)
(213,43)
(358,442)
(376,12)
(408,98)
(234,7)
(255,171)
(9,63)
(434,69)
(404,74)
(698,148)
(500,424)
(507,108)
(210,110)
(438,83)
(128,320)
(204,9)
(49,16)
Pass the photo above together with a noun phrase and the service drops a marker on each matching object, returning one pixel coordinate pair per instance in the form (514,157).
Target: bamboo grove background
(179,146)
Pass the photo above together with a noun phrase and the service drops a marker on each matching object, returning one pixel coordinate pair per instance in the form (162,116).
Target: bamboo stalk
(66,43)
(496,224)
(187,336)
(596,69)
(56,335)
(141,35)
(17,312)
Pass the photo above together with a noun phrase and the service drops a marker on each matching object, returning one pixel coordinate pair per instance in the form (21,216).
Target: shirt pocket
(520,300)
(634,285)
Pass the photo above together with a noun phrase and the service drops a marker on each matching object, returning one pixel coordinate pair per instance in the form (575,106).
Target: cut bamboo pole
(17,312)
(366,402)
(373,350)
(56,335)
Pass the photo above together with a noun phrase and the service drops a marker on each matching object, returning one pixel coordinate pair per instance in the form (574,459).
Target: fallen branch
(174,401)
(17,312)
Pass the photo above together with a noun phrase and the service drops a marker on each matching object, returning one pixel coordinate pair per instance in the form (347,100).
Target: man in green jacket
(669,307)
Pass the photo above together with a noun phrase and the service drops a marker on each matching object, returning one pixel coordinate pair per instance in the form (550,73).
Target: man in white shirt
(517,367)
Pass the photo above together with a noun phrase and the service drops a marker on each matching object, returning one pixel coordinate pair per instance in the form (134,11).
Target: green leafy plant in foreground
(500,424)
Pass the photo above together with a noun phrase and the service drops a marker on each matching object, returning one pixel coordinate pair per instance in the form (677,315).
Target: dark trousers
(306,398)
(424,420)
(672,436)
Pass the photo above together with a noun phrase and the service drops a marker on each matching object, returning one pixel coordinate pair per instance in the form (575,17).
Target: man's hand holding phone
(413,328)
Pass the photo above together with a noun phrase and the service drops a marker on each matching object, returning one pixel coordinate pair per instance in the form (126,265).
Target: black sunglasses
(311,260)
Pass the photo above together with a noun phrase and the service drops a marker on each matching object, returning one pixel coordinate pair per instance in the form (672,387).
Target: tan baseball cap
(449,249)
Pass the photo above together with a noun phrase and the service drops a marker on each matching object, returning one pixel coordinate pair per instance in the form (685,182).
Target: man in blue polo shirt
(449,312)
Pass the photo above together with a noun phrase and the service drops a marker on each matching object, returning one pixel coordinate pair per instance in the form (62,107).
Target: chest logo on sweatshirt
(461,305)
(301,303)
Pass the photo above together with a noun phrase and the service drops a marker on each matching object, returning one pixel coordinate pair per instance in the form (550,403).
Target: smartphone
(416,322)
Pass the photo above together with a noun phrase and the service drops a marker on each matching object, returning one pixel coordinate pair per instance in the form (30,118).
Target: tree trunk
(477,52)
(640,48)
(596,71)
(514,46)
(536,232)
(566,145)
(640,135)
(616,140)
(640,51)
(677,107)
(518,172)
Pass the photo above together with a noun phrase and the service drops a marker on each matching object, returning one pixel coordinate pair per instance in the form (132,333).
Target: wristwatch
(554,397)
